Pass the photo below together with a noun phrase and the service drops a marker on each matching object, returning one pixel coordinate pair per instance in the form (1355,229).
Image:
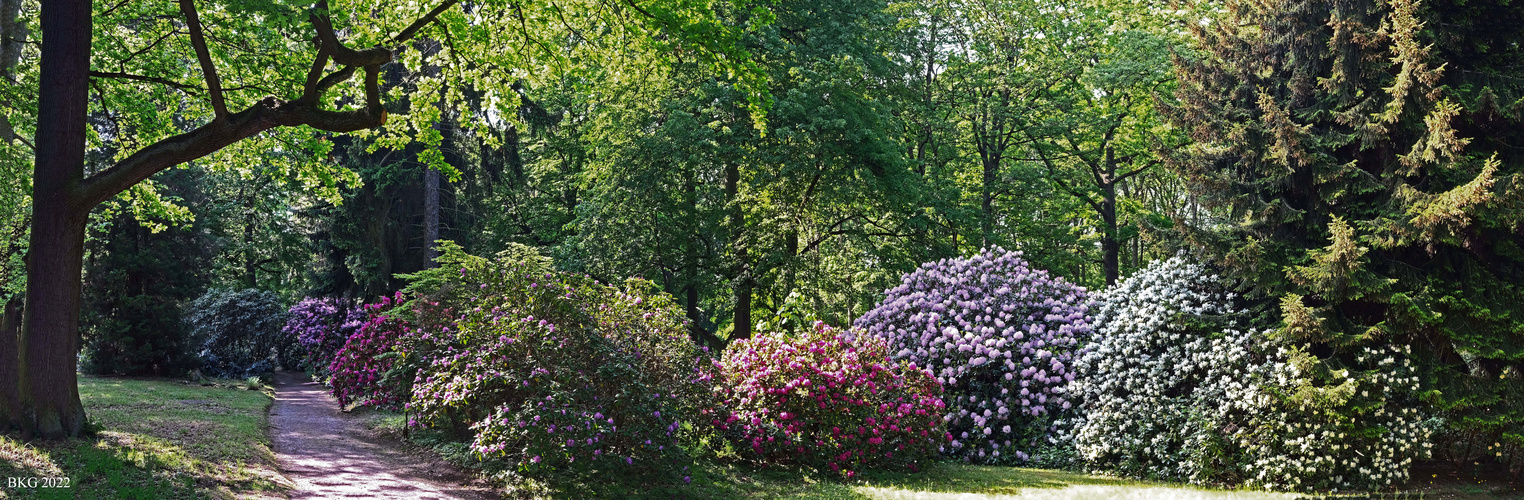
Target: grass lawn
(723,480)
(155,439)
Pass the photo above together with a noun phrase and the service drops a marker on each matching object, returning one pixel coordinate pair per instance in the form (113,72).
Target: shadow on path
(329,455)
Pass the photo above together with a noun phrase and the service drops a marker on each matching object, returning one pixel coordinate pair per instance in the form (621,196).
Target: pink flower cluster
(823,400)
(999,335)
(358,368)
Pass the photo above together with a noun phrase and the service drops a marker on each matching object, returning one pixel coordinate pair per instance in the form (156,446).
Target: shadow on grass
(152,439)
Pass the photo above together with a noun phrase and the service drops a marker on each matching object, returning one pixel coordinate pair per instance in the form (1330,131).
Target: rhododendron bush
(368,354)
(999,336)
(823,400)
(321,326)
(550,370)
(1179,385)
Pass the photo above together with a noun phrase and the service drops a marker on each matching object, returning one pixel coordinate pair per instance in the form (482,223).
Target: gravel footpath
(328,454)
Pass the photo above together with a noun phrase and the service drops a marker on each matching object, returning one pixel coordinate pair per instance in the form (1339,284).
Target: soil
(328,453)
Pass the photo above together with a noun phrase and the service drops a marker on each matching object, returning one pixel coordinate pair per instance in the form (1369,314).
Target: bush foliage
(1178,385)
(240,332)
(999,336)
(823,400)
(555,370)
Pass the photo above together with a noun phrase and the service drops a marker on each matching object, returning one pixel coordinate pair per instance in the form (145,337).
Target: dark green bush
(240,333)
(142,336)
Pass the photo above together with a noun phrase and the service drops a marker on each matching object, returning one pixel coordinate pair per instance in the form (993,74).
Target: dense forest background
(1351,169)
(898,133)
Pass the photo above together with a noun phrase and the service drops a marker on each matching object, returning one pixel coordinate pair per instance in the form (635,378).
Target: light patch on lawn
(1078,492)
(156,439)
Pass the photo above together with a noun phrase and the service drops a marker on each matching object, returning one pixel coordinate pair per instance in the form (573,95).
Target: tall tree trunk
(49,341)
(741,320)
(987,188)
(12,38)
(430,216)
(1110,247)
(10,364)
(250,259)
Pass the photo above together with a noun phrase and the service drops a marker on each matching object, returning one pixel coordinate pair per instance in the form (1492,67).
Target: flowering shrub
(551,370)
(321,326)
(358,368)
(826,401)
(998,335)
(1177,385)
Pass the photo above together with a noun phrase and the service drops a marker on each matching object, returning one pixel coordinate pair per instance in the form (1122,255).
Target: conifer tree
(1367,154)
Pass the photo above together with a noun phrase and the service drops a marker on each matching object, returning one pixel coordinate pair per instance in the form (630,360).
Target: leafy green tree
(733,218)
(223,82)
(137,276)
(1365,152)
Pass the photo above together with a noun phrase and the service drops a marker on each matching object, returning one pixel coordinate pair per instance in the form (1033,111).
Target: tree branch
(208,69)
(413,29)
(268,113)
(329,42)
(1053,174)
(150,79)
(1137,171)
(207,139)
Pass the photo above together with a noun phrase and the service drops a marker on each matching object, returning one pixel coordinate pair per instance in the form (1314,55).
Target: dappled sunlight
(22,459)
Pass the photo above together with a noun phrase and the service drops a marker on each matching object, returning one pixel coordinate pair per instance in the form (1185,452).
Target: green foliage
(1361,153)
(554,371)
(240,333)
(137,278)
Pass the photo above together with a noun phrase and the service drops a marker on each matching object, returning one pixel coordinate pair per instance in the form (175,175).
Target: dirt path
(328,454)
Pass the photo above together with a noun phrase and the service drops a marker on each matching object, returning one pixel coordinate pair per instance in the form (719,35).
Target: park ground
(171,439)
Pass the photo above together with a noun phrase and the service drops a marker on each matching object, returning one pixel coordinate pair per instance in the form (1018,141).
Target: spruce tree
(1366,158)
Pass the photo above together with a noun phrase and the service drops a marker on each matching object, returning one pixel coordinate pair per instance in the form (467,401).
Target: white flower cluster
(1178,386)
(1354,429)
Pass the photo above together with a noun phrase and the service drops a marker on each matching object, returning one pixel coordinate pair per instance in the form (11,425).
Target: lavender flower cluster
(999,336)
(321,326)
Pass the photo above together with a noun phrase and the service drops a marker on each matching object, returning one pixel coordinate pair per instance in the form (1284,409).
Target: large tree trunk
(50,335)
(741,319)
(49,341)
(1110,247)
(430,217)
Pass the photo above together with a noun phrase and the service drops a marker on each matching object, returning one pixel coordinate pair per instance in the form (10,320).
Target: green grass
(155,439)
(729,479)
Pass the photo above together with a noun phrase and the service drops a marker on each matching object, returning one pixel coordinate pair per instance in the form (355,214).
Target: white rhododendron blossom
(999,336)
(1177,385)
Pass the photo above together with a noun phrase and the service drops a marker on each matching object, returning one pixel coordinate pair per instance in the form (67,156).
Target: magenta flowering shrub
(999,335)
(550,370)
(823,400)
(321,326)
(358,368)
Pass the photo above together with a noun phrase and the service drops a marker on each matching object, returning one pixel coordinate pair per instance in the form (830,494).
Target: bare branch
(408,33)
(208,70)
(1136,171)
(207,139)
(314,76)
(344,55)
